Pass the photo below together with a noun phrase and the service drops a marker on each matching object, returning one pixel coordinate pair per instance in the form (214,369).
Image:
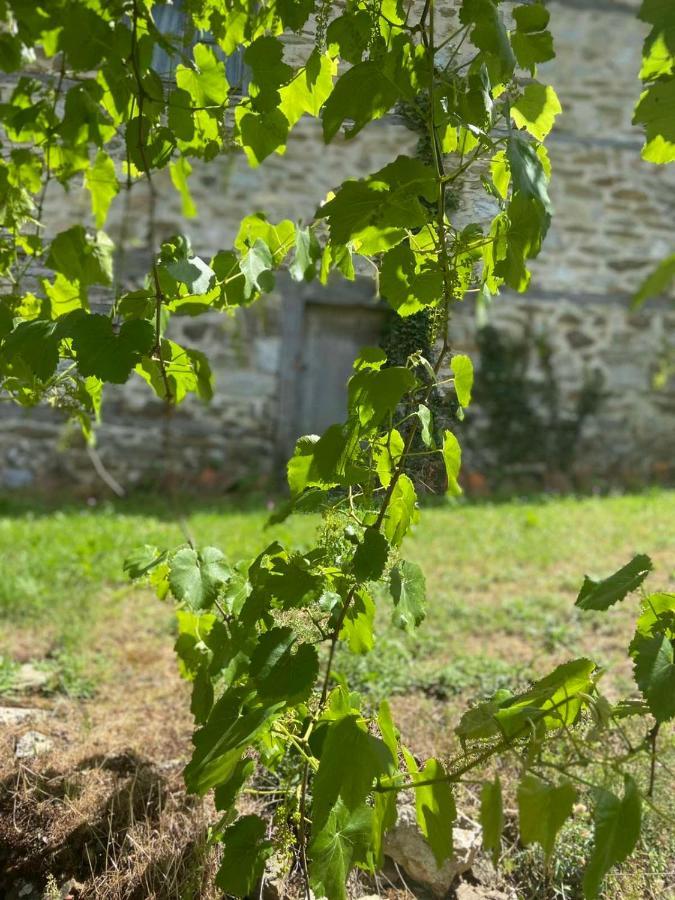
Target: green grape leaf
(281,668)
(387,452)
(312,500)
(377,212)
(10,52)
(452,457)
(245,851)
(85,53)
(179,114)
(348,35)
(374,394)
(658,53)
(186,371)
(608,591)
(36,344)
(357,629)
(531,42)
(408,590)
(492,817)
(64,296)
(370,358)
(462,370)
(82,257)
(337,256)
(387,728)
(294,13)
(220,742)
(424,415)
(148,147)
(264,57)
(177,259)
(231,281)
(655,673)
(363,93)
(343,840)
(279,239)
(657,615)
(180,170)
(190,646)
(536,109)
(528,222)
(407,284)
(225,794)
(401,512)
(309,89)
(529,177)
(206,81)
(256,267)
(201,700)
(101,182)
(489,34)
(554,700)
(142,560)
(321,461)
(260,134)
(543,809)
(657,282)
(351,760)
(434,806)
(617,829)
(371,556)
(307,255)
(654,113)
(100,351)
(196,577)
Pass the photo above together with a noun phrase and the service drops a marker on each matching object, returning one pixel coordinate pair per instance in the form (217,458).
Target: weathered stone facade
(613,221)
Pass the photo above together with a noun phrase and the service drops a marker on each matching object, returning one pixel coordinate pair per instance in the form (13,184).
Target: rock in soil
(477,892)
(31,744)
(406,846)
(17,715)
(29,678)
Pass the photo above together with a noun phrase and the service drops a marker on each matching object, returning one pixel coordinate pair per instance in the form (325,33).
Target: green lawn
(501,582)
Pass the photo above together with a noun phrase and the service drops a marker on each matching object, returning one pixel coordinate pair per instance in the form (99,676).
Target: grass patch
(501,581)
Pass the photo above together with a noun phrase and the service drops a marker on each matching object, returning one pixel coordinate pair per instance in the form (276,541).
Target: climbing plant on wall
(86,101)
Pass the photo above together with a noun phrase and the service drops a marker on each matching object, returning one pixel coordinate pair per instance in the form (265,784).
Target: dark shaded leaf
(608,591)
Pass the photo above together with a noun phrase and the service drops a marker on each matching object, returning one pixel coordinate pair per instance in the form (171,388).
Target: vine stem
(427,11)
(505,744)
(652,739)
(159,299)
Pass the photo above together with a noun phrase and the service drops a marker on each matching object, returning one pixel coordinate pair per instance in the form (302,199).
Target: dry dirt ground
(105,806)
(102,813)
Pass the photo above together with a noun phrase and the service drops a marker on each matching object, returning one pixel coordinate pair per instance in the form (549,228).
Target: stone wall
(613,221)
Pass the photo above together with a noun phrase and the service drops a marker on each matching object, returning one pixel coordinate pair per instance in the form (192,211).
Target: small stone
(477,892)
(29,678)
(32,743)
(70,889)
(406,846)
(17,715)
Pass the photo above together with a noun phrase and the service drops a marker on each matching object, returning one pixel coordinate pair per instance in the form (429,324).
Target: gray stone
(478,892)
(32,743)
(29,678)
(406,846)
(17,715)
(17,478)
